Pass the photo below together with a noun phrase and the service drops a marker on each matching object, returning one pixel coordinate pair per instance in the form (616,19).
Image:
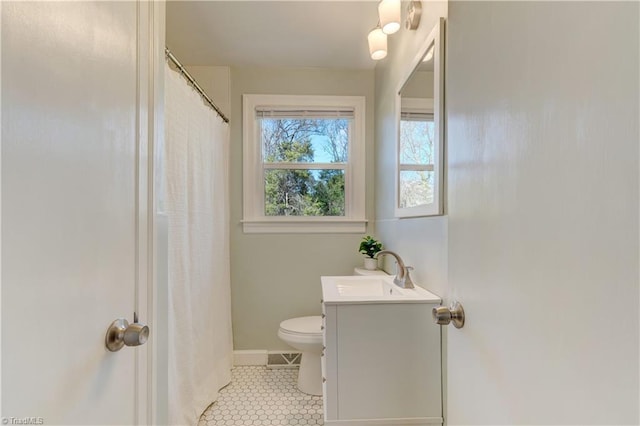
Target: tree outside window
(303,162)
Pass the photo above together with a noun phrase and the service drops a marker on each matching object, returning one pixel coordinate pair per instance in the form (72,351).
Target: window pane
(304,192)
(416,141)
(416,188)
(304,140)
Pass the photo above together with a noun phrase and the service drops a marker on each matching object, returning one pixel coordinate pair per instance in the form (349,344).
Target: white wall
(277,276)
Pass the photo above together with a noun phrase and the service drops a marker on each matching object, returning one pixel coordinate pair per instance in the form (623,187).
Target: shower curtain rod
(195,84)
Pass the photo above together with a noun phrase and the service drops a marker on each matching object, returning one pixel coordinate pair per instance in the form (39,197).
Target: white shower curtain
(196,202)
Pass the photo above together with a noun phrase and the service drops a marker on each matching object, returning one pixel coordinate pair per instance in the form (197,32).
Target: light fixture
(414,11)
(377,43)
(389,14)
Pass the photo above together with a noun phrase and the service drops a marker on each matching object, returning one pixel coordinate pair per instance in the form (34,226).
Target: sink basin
(371,289)
(346,286)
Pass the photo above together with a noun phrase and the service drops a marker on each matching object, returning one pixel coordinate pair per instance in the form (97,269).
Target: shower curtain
(196,201)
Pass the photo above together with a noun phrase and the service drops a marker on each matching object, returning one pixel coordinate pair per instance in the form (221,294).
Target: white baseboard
(252,357)
(416,421)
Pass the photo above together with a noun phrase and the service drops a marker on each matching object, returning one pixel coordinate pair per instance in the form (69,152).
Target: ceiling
(303,33)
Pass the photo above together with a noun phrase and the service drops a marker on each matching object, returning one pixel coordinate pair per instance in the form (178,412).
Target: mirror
(420,142)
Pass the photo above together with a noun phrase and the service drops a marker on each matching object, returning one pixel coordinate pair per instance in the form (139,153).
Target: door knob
(443,315)
(136,334)
(120,333)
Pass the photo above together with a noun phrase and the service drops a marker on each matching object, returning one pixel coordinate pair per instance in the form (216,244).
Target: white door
(543,212)
(70,205)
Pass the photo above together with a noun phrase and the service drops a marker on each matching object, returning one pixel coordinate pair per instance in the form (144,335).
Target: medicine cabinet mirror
(420,131)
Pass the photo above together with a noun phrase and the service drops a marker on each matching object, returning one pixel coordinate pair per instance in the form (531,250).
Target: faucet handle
(408,282)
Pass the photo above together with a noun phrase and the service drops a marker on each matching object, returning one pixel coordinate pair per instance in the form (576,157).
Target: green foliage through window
(301,188)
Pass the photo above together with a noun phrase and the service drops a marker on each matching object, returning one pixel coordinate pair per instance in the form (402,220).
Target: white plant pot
(370,263)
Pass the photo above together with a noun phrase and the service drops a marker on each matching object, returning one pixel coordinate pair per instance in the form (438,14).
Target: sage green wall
(214,80)
(277,276)
(422,242)
(420,85)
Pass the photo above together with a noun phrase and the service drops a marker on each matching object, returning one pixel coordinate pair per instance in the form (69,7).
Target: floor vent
(283,359)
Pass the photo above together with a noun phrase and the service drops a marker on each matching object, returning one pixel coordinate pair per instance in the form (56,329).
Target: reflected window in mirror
(420,133)
(416,165)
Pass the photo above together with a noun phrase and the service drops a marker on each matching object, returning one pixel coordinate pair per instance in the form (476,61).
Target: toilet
(305,335)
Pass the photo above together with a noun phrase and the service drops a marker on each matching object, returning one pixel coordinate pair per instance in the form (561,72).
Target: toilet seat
(302,333)
(303,326)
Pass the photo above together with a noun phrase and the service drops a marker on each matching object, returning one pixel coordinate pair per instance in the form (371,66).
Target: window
(416,153)
(303,163)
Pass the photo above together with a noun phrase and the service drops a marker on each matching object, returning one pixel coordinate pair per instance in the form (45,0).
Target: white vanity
(381,361)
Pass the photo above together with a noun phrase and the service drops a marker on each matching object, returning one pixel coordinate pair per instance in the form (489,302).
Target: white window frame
(254,219)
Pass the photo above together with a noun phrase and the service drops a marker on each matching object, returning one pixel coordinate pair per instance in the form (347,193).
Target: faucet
(402,279)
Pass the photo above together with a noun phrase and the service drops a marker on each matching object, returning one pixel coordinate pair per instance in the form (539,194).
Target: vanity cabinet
(381,363)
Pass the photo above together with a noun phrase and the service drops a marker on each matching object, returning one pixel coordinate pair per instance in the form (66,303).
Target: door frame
(1,204)
(150,126)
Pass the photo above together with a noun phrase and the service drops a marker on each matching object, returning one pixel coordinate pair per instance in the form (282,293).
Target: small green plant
(369,246)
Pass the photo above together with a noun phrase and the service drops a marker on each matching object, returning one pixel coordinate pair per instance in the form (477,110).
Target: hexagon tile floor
(259,396)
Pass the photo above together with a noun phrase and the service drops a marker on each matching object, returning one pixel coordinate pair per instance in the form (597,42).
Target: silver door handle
(453,314)
(121,333)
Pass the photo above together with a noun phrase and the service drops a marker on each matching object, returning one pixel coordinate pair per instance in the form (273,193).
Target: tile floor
(258,396)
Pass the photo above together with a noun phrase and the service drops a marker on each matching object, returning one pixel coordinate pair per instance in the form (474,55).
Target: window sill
(418,211)
(304,226)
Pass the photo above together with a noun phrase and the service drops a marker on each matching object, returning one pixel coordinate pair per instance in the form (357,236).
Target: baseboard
(415,421)
(271,359)
(251,357)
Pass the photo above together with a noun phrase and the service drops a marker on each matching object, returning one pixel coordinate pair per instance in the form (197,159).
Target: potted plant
(370,247)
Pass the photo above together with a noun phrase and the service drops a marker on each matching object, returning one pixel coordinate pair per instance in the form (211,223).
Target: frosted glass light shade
(389,14)
(377,44)
(429,54)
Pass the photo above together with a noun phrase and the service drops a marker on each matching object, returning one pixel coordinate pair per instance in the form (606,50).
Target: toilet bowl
(305,335)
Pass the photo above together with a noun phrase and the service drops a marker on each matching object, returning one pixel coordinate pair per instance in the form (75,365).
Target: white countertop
(375,289)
